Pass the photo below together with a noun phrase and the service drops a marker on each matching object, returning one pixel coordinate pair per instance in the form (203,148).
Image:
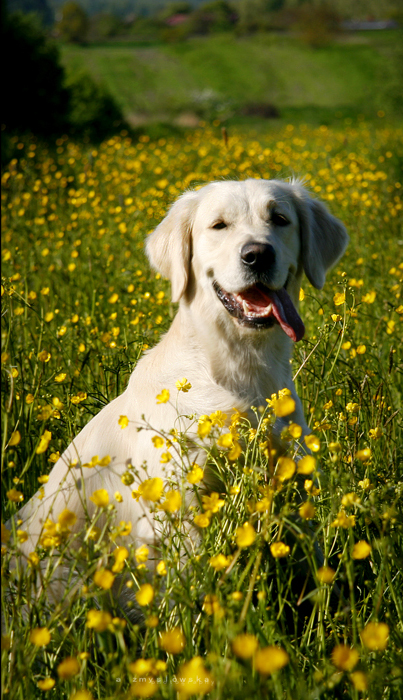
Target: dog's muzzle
(260,307)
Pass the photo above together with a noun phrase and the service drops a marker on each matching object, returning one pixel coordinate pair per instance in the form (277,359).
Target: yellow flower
(225,440)
(161,569)
(345,658)
(295,430)
(98,620)
(82,695)
(158,441)
(283,406)
(204,426)
(195,475)
(369,298)
(104,579)
(144,688)
(15,496)
(68,668)
(244,645)
(361,349)
(307,510)
(141,554)
(173,641)
(312,442)
(183,385)
(193,677)
(15,438)
(364,455)
(375,433)
(306,465)
(212,503)
(285,468)
(165,458)
(152,621)
(60,377)
(100,498)
(113,299)
(44,356)
(245,535)
(343,520)
(211,605)
(123,422)
(22,536)
(339,298)
(234,452)
(270,659)
(361,550)
(350,499)
(145,594)
(67,519)
(220,562)
(172,503)
(375,636)
(163,397)
(40,636)
(120,555)
(151,489)
(359,681)
(202,520)
(325,574)
(279,549)
(46,684)
(44,442)
(365,484)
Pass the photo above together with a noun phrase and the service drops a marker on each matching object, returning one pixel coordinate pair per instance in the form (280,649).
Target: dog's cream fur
(228,365)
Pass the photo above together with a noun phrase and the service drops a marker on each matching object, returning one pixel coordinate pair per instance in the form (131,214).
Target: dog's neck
(251,365)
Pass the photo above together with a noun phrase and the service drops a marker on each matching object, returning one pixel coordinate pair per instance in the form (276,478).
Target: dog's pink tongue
(282,308)
(287,315)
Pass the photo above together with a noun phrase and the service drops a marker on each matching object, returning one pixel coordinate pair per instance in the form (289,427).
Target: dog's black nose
(258,256)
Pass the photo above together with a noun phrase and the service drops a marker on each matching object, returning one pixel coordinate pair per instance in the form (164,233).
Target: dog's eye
(219,225)
(279,219)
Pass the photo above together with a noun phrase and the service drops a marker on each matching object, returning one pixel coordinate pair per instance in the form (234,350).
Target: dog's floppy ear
(169,246)
(323,238)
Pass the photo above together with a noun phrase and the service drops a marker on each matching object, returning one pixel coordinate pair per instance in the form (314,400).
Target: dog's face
(243,246)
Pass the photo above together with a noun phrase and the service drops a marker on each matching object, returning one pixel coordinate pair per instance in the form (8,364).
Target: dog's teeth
(269,309)
(246,307)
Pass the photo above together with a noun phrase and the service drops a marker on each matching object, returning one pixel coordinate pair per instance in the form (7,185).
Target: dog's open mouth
(261,307)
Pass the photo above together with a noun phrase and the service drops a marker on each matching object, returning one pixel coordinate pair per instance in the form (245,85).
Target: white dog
(235,253)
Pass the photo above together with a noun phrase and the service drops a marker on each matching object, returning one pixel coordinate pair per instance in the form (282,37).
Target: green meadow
(250,613)
(221,75)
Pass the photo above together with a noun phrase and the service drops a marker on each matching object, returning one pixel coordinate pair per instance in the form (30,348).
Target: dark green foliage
(93,112)
(33,93)
(36,96)
(74,24)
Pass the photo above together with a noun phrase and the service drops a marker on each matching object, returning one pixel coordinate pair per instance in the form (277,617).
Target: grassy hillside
(218,75)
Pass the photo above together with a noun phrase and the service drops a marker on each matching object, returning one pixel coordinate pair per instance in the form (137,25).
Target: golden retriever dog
(235,253)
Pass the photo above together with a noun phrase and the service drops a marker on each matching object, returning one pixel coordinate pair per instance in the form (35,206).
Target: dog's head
(244,245)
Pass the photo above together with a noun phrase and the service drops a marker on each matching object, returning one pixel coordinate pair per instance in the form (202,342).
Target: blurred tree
(105,25)
(73,25)
(94,113)
(33,93)
(39,7)
(214,16)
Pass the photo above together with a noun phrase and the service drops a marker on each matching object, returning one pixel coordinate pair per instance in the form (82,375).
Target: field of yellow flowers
(249,613)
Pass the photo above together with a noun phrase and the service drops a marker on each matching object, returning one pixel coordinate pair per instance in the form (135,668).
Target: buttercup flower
(270,659)
(344,657)
(375,636)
